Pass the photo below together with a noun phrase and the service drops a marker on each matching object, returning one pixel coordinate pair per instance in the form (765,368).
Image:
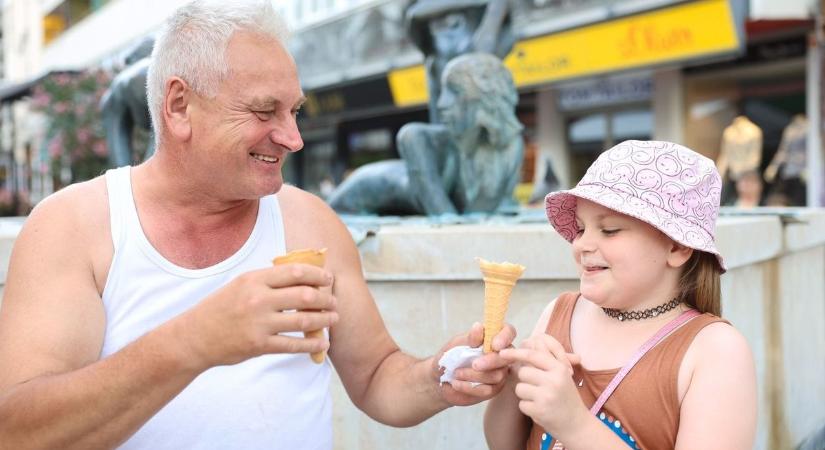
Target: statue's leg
(508,203)
(424,150)
(375,188)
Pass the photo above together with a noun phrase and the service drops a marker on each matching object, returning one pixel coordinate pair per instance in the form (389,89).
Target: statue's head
(445,27)
(477,92)
(141,49)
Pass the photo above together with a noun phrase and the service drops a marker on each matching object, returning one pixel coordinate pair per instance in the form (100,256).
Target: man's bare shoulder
(72,221)
(304,208)
(309,222)
(80,204)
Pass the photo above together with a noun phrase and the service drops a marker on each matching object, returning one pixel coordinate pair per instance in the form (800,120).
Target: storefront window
(717,102)
(591,134)
(370,146)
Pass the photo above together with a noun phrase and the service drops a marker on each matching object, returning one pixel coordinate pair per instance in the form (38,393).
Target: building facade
(590,73)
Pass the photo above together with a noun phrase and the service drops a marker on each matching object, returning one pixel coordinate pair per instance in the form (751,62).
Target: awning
(14,91)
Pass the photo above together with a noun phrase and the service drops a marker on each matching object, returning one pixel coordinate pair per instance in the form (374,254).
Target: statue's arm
(423,148)
(489,32)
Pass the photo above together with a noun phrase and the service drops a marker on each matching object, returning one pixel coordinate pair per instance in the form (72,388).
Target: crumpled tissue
(457,358)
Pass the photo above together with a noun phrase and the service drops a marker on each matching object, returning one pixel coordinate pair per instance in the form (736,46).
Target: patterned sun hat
(667,185)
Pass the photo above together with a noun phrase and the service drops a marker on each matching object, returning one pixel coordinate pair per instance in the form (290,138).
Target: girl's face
(623,263)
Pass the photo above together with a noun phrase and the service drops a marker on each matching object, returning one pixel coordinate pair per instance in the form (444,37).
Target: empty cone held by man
(315,258)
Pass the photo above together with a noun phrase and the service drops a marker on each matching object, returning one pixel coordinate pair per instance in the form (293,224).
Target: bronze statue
(468,163)
(124,107)
(444,29)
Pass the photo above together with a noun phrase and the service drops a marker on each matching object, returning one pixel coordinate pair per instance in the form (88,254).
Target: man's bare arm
(55,393)
(390,386)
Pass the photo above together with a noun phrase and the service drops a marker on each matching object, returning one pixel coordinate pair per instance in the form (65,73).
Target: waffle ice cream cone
(499,280)
(316,258)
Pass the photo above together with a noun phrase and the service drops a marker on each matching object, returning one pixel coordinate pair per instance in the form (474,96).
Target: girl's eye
(610,232)
(579,231)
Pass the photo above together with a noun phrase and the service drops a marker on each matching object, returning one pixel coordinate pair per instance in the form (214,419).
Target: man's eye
(263,115)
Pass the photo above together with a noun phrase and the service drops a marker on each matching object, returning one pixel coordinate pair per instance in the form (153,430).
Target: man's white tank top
(268,402)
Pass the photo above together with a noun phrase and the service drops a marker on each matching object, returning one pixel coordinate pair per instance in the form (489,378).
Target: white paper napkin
(457,358)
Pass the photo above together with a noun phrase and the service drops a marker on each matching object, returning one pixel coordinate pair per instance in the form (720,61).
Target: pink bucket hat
(667,185)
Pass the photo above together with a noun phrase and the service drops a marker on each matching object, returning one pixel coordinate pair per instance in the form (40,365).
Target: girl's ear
(678,255)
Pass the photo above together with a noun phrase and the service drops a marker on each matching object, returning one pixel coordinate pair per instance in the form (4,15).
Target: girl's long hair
(699,283)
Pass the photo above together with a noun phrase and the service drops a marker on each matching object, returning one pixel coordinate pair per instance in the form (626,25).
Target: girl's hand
(546,388)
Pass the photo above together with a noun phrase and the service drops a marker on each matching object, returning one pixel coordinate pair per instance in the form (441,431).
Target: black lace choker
(620,315)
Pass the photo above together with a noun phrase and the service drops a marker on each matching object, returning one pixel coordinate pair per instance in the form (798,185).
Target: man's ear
(678,255)
(176,112)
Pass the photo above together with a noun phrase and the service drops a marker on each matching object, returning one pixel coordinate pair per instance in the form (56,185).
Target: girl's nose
(584,242)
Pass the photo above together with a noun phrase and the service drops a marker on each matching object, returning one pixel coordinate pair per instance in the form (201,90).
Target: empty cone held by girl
(315,258)
(499,280)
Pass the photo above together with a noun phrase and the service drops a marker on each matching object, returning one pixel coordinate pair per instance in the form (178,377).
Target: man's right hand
(249,316)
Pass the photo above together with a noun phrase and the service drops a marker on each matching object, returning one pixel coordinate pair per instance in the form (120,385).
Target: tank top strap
(119,188)
(272,208)
(558,325)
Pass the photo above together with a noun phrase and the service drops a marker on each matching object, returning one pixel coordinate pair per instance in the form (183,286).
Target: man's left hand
(488,373)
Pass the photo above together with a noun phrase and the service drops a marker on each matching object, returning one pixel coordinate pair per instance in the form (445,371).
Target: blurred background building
(591,73)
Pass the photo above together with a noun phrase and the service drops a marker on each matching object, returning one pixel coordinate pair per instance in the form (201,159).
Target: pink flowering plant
(74,137)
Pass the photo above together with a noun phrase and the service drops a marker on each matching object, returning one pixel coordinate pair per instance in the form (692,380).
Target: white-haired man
(141,308)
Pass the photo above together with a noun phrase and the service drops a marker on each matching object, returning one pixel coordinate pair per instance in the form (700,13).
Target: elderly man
(142,309)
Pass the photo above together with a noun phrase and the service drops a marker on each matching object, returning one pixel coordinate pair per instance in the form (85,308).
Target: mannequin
(741,149)
(748,190)
(790,161)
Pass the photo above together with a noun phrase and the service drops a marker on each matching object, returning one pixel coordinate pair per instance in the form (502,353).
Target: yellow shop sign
(689,31)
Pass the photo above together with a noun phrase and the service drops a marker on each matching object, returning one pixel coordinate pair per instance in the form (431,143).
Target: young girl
(641,223)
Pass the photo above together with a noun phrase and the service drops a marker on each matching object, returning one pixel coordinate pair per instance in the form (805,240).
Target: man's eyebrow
(269,101)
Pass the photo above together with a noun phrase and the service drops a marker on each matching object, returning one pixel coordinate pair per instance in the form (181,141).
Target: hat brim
(427,9)
(560,208)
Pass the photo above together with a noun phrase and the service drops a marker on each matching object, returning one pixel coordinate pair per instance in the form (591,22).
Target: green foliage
(74,137)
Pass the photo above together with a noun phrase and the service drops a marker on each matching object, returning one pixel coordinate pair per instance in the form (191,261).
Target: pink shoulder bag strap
(614,383)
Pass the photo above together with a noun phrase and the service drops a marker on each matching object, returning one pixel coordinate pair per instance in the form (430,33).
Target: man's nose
(286,135)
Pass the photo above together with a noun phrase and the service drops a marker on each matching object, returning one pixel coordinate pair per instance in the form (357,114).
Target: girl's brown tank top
(644,409)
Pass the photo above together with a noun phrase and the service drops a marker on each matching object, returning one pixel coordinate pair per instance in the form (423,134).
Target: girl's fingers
(526,391)
(540,359)
(554,347)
